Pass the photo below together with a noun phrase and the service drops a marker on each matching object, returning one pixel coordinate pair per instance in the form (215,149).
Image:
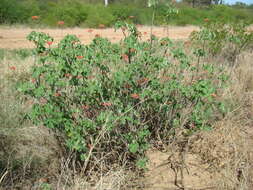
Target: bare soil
(12,38)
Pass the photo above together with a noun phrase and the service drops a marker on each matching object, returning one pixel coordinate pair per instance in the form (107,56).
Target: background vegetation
(85,13)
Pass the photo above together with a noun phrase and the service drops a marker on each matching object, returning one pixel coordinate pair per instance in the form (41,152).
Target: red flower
(97,36)
(60,22)
(35,17)
(143,81)
(79,57)
(57,94)
(145,33)
(90,30)
(67,75)
(125,57)
(49,43)
(206,20)
(214,95)
(131,17)
(33,80)
(13,68)
(85,107)
(79,77)
(106,104)
(135,96)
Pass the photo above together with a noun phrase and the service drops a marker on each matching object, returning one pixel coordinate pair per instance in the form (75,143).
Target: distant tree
(197,3)
(240,5)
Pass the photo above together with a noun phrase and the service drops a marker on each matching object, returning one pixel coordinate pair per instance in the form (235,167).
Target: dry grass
(228,148)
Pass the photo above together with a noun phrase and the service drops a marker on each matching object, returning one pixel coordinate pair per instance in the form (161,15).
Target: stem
(152,25)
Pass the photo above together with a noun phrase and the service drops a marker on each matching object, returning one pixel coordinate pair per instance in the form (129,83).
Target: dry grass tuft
(228,148)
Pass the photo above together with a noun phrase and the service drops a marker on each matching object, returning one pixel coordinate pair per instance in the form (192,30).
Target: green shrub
(110,101)
(72,13)
(103,16)
(228,40)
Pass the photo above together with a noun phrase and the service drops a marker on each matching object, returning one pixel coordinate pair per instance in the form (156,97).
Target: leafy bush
(103,16)
(72,13)
(230,40)
(110,101)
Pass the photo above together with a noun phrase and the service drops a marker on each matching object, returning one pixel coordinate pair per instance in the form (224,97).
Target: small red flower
(145,33)
(106,104)
(97,36)
(60,23)
(79,77)
(33,80)
(85,107)
(35,17)
(206,20)
(135,96)
(68,75)
(214,95)
(131,17)
(57,94)
(49,43)
(125,57)
(143,81)
(13,68)
(79,57)
(90,30)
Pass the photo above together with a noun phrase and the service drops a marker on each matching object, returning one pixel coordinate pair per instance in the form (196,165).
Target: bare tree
(106,2)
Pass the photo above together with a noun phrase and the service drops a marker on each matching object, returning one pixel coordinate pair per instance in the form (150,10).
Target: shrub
(110,101)
(72,13)
(230,40)
(103,16)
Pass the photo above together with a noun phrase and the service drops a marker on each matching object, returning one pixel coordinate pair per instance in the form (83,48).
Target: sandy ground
(13,38)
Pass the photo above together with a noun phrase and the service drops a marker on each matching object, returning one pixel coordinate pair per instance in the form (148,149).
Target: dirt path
(13,38)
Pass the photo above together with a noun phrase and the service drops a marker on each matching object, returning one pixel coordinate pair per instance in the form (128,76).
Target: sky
(244,1)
